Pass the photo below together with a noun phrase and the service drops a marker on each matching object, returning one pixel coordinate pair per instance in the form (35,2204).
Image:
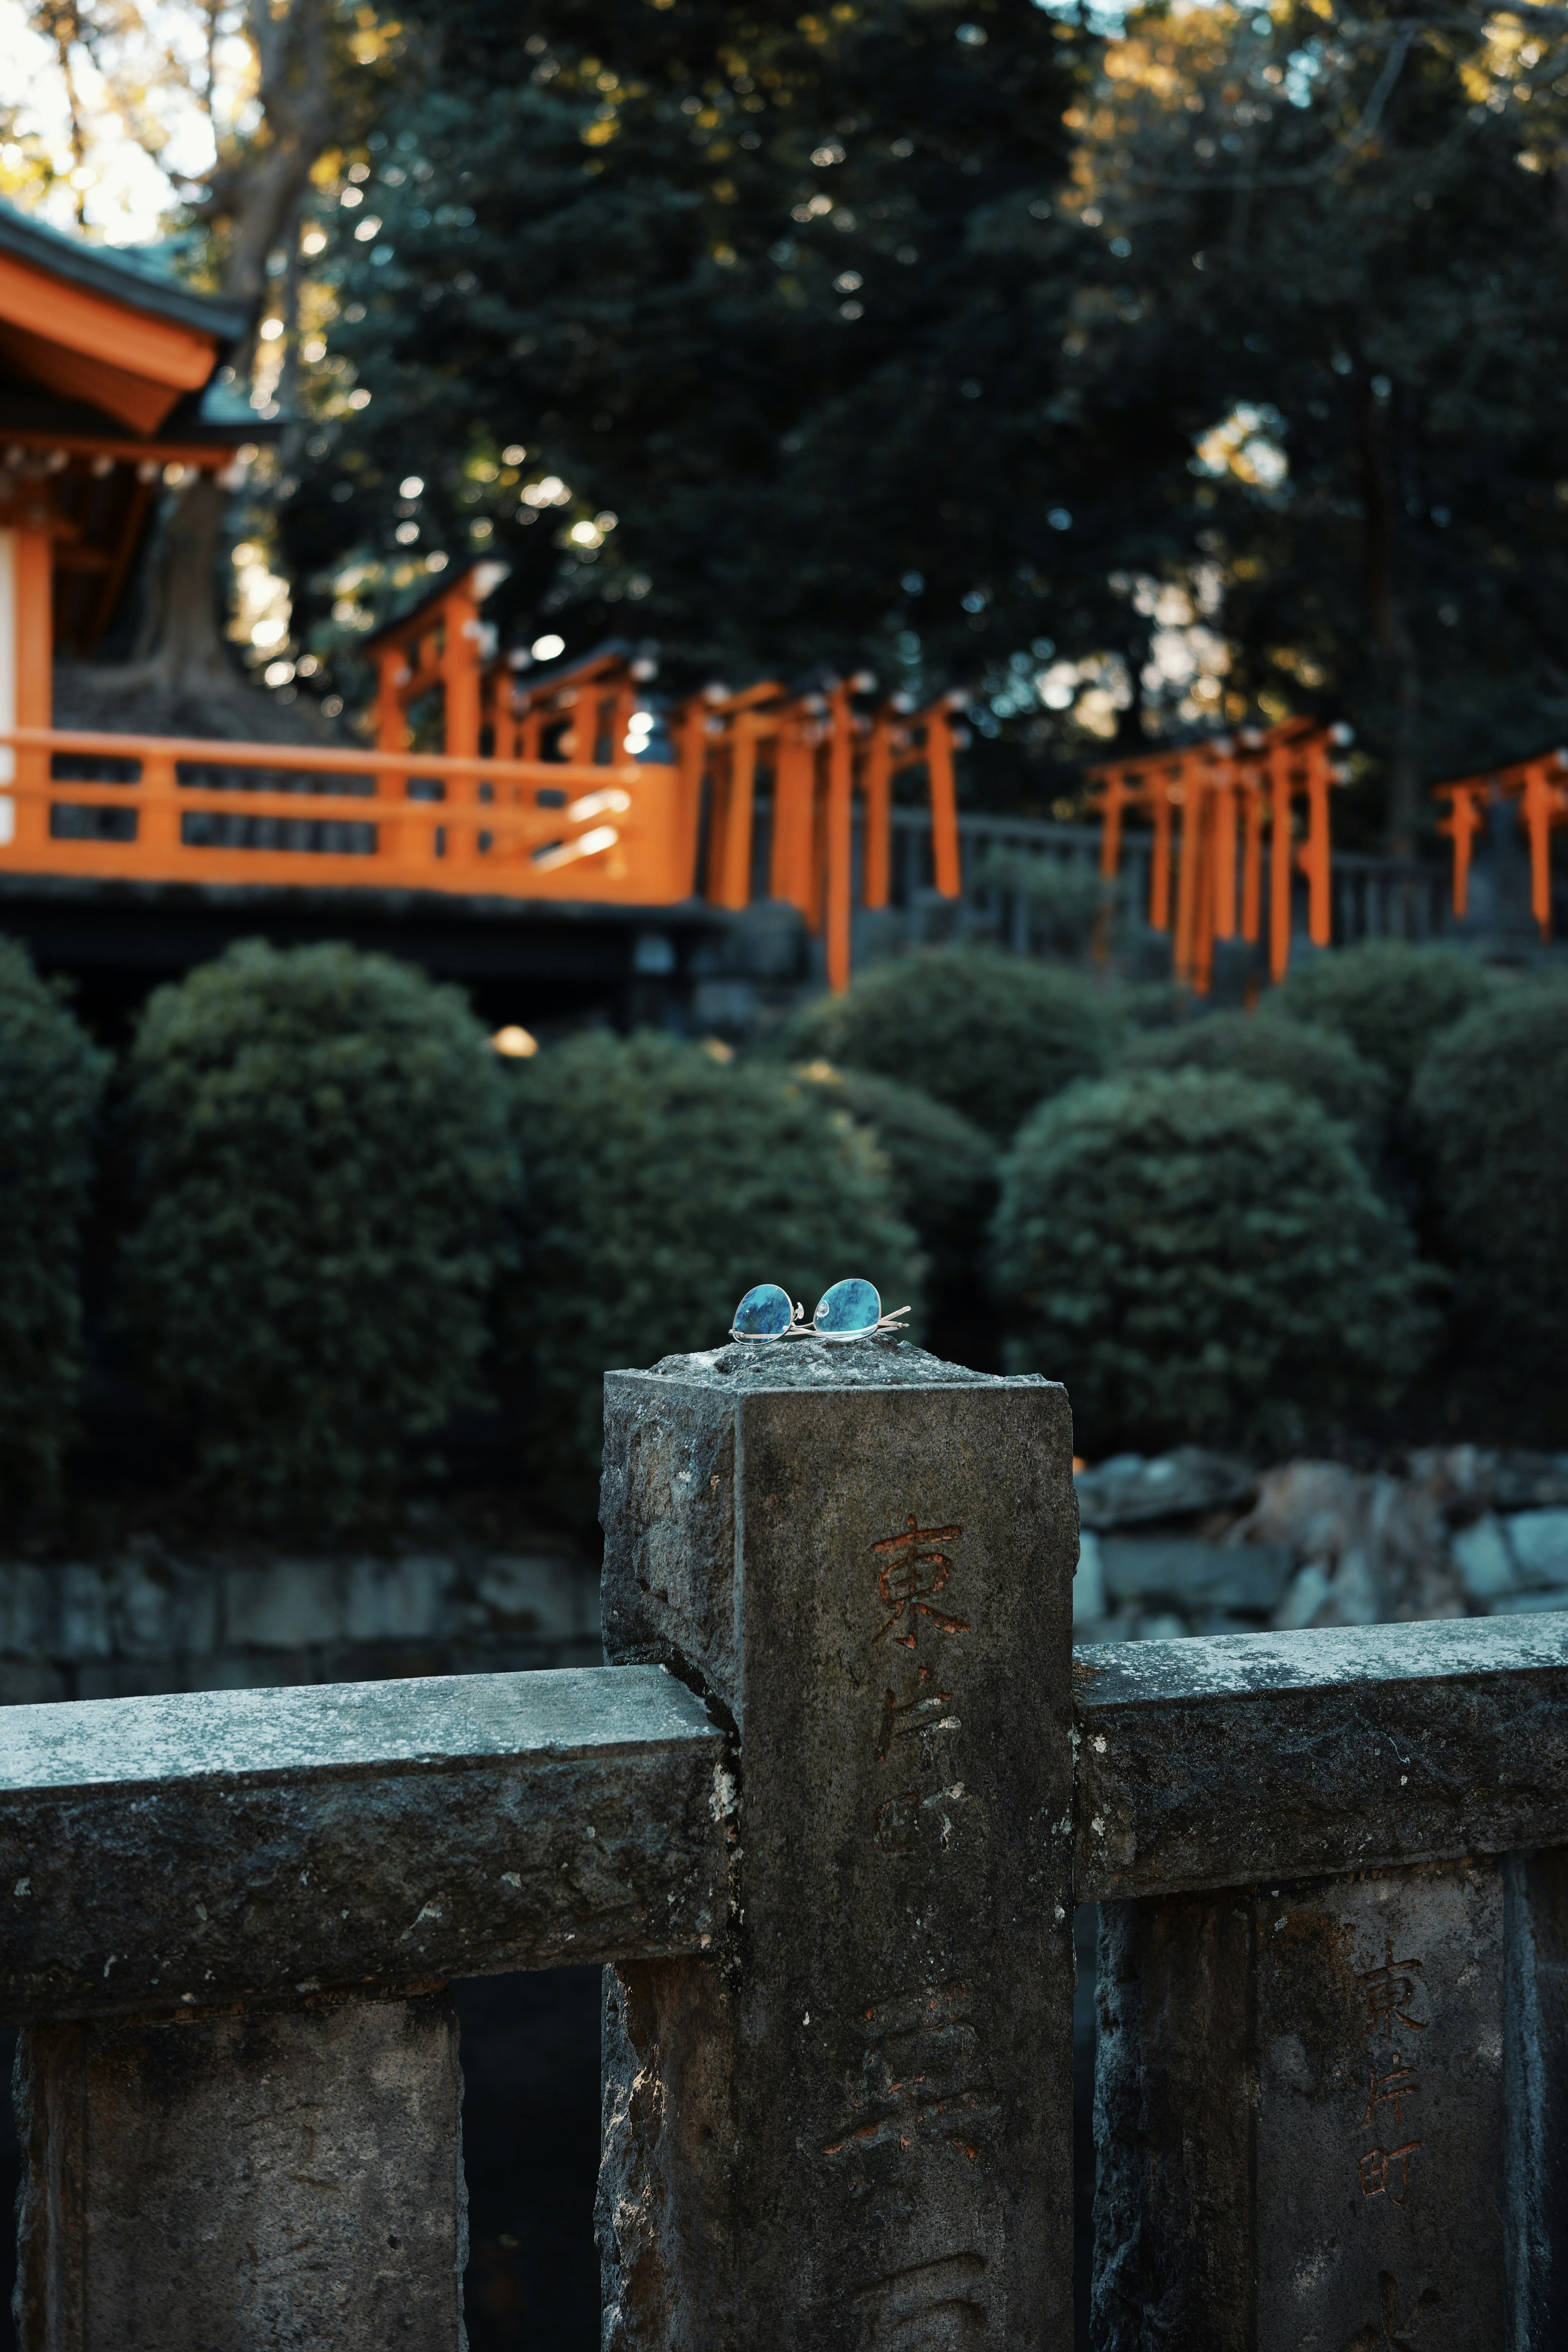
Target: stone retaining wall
(1193,1543)
(148,1620)
(1174,1544)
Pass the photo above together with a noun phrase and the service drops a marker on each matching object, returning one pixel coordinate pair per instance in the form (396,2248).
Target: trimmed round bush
(51,1079)
(659,1185)
(324,1167)
(943,1172)
(1390,998)
(943,1169)
(1490,1111)
(1201,1257)
(1271,1047)
(988,1034)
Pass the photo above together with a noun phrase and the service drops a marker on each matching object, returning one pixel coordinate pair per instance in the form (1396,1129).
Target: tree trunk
(1390,626)
(186,658)
(188,654)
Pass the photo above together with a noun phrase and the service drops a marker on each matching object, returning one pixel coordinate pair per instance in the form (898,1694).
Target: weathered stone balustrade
(824,1819)
(227,1921)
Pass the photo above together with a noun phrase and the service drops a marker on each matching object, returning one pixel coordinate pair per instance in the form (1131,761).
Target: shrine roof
(121,274)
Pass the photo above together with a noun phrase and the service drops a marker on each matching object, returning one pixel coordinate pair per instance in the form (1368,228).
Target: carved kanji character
(1389,1990)
(911,1572)
(1376,2166)
(1389,2090)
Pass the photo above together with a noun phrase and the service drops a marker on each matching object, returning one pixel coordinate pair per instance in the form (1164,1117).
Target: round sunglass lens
(764,1313)
(847,1310)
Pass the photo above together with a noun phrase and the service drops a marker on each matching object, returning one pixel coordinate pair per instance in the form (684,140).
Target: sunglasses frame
(799,1328)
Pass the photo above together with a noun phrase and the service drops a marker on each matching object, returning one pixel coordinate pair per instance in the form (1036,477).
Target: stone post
(1298,2117)
(856,2130)
(252,2180)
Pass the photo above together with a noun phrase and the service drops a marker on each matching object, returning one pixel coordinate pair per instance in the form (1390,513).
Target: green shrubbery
(324,1165)
(1200,1256)
(657,1187)
(51,1078)
(1490,1109)
(943,1173)
(1390,1000)
(341,1196)
(1271,1047)
(989,1034)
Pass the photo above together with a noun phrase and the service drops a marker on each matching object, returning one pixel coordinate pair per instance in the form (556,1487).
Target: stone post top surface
(888,1363)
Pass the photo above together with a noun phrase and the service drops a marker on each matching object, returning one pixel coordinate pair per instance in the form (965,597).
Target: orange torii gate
(819,749)
(1539,788)
(821,752)
(1196,798)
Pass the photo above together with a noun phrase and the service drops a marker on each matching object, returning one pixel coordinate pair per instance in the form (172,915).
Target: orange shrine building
(113,378)
(539,822)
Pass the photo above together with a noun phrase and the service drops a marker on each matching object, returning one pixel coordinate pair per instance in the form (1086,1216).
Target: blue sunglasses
(848,1310)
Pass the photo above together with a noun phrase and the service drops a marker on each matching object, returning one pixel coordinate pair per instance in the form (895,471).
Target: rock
(1354,1594)
(1381,1541)
(1486,1564)
(1165,1626)
(1308,1591)
(1520,1480)
(1539,1541)
(283,1605)
(1132,1487)
(1249,1577)
(1088,1582)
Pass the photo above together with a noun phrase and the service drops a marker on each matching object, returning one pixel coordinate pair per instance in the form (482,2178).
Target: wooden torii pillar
(1199,793)
(1539,789)
(822,752)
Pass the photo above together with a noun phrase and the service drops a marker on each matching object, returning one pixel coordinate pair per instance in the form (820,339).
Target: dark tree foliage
(950,337)
(763,284)
(1351,228)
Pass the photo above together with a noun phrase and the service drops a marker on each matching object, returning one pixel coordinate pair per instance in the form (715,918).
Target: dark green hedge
(51,1078)
(324,1165)
(658,1186)
(1489,1112)
(1201,1257)
(989,1034)
(1271,1047)
(1389,998)
(943,1171)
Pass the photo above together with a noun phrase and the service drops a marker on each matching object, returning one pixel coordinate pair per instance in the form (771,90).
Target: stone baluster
(276,2176)
(1300,2117)
(226,1920)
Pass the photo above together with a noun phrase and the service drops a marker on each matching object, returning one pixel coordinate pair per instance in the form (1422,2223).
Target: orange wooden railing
(1194,799)
(1539,789)
(820,750)
(524,829)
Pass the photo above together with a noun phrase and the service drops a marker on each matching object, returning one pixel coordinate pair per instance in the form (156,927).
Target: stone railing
(825,1819)
(1373,898)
